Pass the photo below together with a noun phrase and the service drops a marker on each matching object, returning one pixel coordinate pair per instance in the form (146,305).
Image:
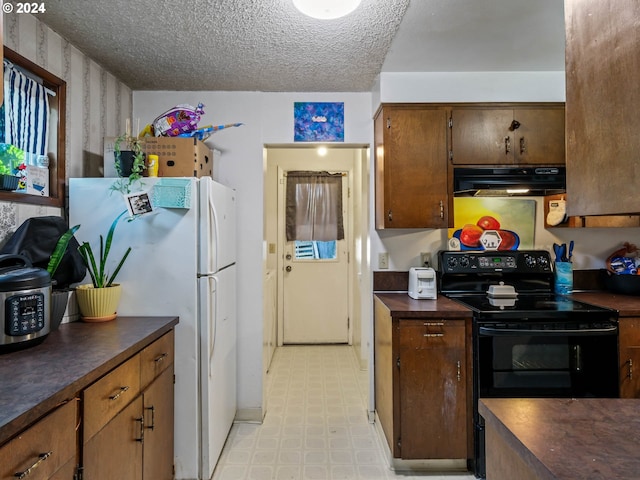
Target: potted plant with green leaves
(98,301)
(59,297)
(129,161)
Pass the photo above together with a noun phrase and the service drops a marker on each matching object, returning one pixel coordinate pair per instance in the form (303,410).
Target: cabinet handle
(390,216)
(116,395)
(141,421)
(433,335)
(507,145)
(153,417)
(433,324)
(459,372)
(441,209)
(41,458)
(630,370)
(161,357)
(523,146)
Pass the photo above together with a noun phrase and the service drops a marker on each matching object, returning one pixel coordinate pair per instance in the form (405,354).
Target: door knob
(288,268)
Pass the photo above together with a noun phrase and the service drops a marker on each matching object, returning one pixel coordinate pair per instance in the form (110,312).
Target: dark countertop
(627,305)
(402,305)
(590,438)
(33,381)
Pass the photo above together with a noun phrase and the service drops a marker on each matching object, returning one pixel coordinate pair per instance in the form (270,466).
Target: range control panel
(524,261)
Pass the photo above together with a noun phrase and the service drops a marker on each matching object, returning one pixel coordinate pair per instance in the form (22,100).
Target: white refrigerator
(182,263)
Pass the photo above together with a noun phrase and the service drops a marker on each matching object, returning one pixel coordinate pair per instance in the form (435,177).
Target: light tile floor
(316,424)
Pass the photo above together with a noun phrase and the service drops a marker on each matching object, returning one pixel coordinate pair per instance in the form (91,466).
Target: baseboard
(249,415)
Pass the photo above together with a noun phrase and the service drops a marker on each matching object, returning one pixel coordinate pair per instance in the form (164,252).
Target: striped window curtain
(26,112)
(314,206)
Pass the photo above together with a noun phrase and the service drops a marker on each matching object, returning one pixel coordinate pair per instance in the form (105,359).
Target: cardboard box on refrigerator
(180,156)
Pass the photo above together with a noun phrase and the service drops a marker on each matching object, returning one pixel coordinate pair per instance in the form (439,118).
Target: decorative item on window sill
(172,193)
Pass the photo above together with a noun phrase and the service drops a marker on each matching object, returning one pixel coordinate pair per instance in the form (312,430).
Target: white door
(315,287)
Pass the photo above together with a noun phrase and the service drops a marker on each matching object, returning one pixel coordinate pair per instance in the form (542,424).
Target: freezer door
(218,363)
(217,226)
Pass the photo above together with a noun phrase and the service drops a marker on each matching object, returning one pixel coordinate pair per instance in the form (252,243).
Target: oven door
(547,360)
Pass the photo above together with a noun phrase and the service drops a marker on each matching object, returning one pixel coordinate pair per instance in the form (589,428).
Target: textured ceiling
(267,45)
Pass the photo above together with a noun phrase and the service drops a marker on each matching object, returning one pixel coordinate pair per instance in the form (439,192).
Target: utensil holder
(564,278)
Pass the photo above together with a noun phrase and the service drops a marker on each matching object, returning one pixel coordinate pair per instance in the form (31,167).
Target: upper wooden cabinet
(411,167)
(603,118)
(527,135)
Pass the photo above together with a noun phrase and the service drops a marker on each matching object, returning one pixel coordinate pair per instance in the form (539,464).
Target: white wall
(268,119)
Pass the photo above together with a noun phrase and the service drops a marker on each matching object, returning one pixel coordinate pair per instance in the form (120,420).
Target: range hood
(509,181)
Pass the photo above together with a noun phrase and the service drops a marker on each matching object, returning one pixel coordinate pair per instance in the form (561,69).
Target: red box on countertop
(180,156)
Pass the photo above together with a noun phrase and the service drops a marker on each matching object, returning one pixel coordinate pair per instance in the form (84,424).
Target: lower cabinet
(128,428)
(422,385)
(629,344)
(45,451)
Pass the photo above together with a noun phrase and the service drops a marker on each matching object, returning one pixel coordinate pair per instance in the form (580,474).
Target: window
(55,140)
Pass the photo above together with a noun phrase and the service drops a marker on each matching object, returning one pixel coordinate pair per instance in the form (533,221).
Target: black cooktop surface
(528,305)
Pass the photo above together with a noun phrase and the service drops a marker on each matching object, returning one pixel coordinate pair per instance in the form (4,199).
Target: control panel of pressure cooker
(512,261)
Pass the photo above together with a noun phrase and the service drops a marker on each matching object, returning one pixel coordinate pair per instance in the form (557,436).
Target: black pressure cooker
(25,303)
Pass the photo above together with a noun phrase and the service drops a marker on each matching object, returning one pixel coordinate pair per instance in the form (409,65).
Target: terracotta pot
(98,304)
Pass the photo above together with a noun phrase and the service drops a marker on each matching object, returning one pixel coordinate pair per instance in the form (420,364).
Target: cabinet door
(629,357)
(411,168)
(158,424)
(433,389)
(115,452)
(482,137)
(603,118)
(539,139)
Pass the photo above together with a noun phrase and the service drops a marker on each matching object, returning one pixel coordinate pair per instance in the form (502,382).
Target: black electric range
(531,343)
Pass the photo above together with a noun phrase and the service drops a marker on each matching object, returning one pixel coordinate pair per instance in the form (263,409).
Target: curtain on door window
(314,206)
(26,112)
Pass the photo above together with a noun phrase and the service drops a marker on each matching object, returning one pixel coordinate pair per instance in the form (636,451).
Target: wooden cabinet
(525,135)
(411,167)
(629,357)
(45,451)
(432,376)
(422,385)
(129,413)
(603,119)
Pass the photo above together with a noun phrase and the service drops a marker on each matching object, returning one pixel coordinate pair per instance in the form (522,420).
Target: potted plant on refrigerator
(59,296)
(129,161)
(98,301)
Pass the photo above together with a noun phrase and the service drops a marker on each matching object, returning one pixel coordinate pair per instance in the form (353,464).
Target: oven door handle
(497,332)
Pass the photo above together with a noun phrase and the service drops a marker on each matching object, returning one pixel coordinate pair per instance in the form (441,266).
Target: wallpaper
(98,105)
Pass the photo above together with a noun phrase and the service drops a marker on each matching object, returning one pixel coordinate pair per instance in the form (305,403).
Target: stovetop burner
(532,306)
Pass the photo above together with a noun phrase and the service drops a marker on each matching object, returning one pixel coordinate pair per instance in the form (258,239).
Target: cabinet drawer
(109,395)
(419,334)
(156,358)
(44,447)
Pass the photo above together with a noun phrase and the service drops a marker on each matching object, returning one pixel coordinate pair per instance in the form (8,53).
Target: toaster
(422,283)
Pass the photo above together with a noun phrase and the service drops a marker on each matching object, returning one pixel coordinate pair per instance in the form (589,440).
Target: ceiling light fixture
(326,9)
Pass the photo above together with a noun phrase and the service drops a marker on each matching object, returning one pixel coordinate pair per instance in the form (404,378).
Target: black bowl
(624,284)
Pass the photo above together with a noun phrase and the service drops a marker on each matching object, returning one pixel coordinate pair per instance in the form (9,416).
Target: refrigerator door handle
(213,329)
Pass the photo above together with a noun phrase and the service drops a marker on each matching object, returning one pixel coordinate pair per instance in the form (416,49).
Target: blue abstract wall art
(318,122)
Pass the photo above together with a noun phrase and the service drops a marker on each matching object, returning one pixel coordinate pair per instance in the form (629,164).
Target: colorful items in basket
(179,119)
(624,261)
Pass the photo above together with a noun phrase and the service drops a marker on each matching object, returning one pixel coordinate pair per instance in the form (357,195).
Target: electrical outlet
(383,260)
(425,259)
